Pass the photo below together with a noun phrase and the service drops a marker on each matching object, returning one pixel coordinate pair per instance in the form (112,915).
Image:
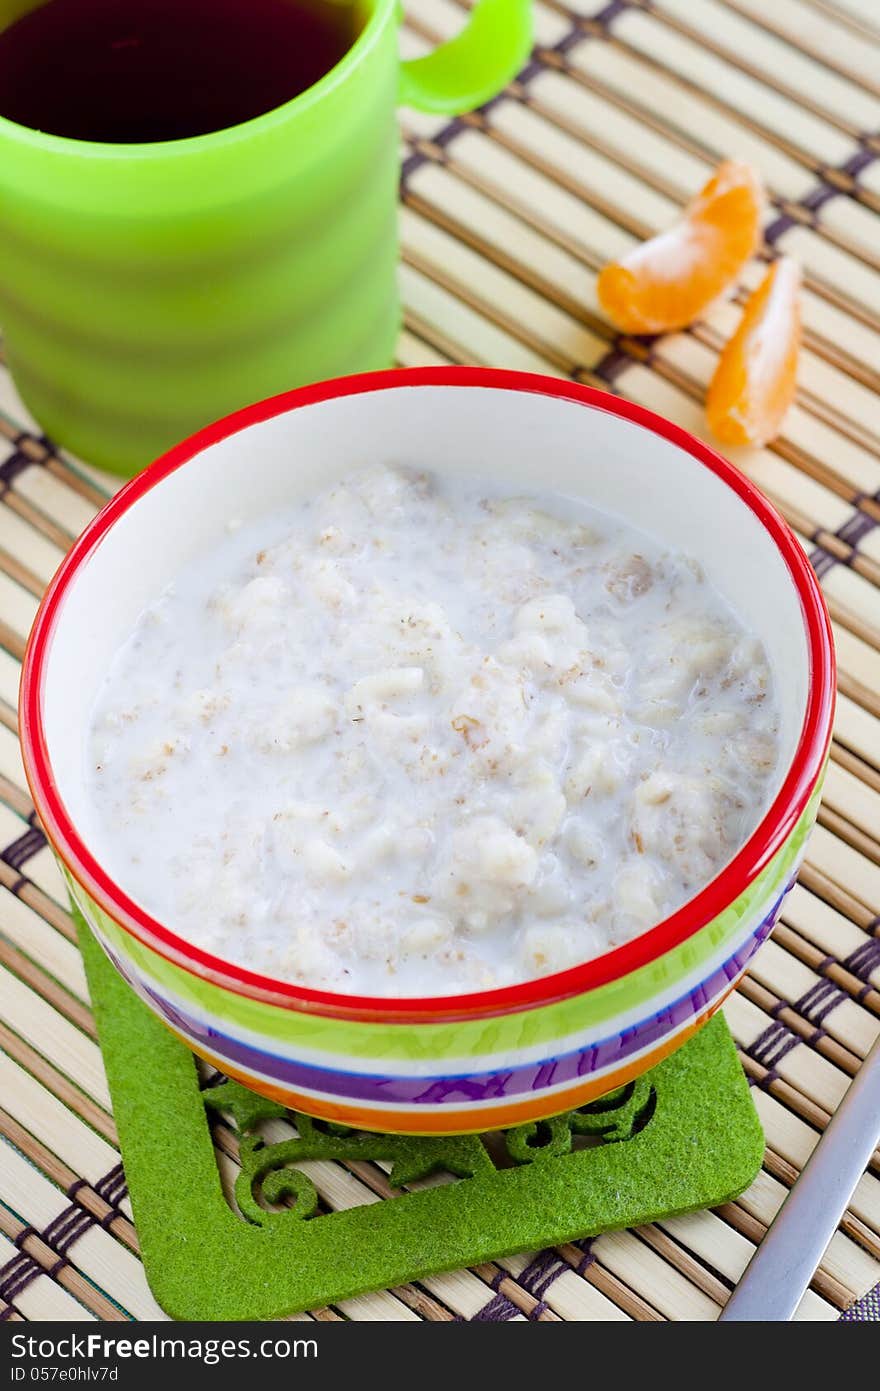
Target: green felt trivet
(684,1136)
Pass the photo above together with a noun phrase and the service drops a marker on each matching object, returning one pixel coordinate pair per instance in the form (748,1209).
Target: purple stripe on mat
(17,1274)
(858,162)
(783,223)
(537,1277)
(819,1001)
(67,1228)
(27,845)
(476,1087)
(11,468)
(441,139)
(822,561)
(819,196)
(112,1187)
(853,531)
(612,365)
(498,1310)
(611,11)
(771,1046)
(114,1195)
(536,1280)
(587,1247)
(856,529)
(865,960)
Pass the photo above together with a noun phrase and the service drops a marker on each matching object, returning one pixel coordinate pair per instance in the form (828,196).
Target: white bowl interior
(526,440)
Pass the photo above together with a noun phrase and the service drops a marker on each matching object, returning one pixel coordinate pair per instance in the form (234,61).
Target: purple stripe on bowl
(485,1086)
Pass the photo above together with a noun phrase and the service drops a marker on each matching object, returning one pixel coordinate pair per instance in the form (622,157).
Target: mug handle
(475,65)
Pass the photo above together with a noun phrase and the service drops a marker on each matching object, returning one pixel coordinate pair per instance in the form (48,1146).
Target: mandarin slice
(668,281)
(755,380)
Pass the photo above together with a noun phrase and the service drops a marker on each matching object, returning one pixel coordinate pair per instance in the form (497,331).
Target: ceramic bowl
(464,1062)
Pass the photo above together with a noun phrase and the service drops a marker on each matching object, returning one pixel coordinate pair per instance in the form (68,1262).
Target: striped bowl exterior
(460,1076)
(431,1065)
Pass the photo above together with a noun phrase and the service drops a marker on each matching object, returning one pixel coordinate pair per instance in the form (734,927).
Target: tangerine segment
(667,282)
(755,380)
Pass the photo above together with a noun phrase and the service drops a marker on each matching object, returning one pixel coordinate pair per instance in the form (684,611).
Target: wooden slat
(757,104)
(814,30)
(784,66)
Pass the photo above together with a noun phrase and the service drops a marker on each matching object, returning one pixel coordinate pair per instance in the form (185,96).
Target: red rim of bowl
(767,838)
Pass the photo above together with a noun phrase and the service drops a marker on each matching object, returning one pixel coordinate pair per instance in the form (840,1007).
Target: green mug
(148,289)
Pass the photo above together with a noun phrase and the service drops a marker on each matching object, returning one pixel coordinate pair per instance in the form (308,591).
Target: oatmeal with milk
(414,737)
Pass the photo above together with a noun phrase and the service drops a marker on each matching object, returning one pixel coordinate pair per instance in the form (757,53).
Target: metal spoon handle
(784,1264)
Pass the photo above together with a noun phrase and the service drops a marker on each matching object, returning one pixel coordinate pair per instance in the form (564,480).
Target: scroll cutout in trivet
(269,1183)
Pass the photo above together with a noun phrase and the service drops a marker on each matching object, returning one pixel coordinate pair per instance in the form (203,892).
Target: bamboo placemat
(507,216)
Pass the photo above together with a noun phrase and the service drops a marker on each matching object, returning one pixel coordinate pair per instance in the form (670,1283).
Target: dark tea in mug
(135,71)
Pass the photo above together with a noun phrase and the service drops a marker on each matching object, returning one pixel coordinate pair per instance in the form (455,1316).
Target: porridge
(414,737)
